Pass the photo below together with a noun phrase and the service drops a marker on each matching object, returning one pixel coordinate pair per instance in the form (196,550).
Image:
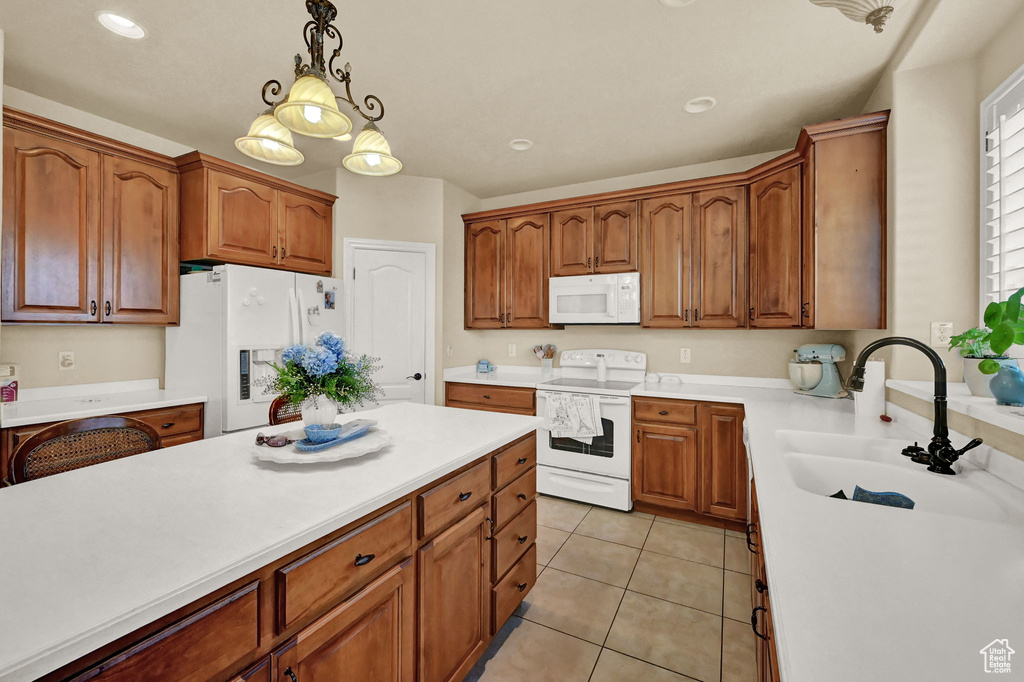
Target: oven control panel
(613,359)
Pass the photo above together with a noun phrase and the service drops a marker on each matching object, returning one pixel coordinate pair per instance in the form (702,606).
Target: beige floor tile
(680,581)
(687,524)
(642,515)
(540,569)
(549,541)
(685,542)
(613,526)
(737,556)
(739,662)
(676,637)
(576,606)
(526,651)
(591,558)
(614,667)
(561,514)
(737,596)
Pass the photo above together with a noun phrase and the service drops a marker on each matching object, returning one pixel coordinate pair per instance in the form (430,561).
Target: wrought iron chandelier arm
(274,88)
(371,102)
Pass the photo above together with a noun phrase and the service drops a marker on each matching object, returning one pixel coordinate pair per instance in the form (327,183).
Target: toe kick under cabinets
(413,591)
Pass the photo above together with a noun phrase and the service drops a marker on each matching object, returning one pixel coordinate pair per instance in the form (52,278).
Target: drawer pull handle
(522,586)
(106,308)
(663,413)
(522,539)
(521,460)
(487,397)
(521,496)
(760,586)
(363,560)
(753,621)
(167,425)
(288,670)
(490,533)
(92,307)
(465,496)
(751,530)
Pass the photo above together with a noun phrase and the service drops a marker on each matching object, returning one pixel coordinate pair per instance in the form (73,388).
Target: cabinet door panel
(572,242)
(527,277)
(140,243)
(720,263)
(454,599)
(615,237)
(304,228)
(243,220)
(485,278)
(775,246)
(665,466)
(723,472)
(51,230)
(665,262)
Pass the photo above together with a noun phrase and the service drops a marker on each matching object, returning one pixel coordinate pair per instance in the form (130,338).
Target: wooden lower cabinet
(761,615)
(455,599)
(665,466)
(490,398)
(261,672)
(723,462)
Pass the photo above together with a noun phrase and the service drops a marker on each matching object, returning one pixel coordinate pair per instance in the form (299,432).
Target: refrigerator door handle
(293,312)
(301,313)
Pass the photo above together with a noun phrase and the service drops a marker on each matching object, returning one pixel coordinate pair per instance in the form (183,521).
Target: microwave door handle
(611,303)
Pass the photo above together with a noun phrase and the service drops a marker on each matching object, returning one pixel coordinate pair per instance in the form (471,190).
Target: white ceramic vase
(318,409)
(978,382)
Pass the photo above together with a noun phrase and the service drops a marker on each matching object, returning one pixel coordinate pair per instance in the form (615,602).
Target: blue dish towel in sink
(885,499)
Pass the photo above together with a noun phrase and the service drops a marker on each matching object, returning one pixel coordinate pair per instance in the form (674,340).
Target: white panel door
(389,301)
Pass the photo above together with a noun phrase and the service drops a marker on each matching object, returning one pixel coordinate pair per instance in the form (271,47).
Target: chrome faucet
(940,454)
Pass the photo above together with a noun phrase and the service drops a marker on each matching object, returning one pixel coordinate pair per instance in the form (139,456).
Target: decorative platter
(373,441)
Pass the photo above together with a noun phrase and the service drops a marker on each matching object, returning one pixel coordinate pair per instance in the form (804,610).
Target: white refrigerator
(235,320)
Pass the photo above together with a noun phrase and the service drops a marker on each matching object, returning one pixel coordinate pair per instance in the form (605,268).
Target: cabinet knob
(284,252)
(521,460)
(290,674)
(521,496)
(92,307)
(751,314)
(751,530)
(686,315)
(106,308)
(167,425)
(588,262)
(522,539)
(363,560)
(487,396)
(465,496)
(696,315)
(753,621)
(638,435)
(275,252)
(663,413)
(760,586)
(803,310)
(522,586)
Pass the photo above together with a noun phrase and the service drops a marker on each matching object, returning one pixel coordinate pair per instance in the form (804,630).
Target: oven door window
(602,446)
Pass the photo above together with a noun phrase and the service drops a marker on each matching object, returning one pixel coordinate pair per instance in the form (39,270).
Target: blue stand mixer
(813,371)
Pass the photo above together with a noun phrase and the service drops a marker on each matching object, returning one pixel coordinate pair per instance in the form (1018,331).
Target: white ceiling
(598,85)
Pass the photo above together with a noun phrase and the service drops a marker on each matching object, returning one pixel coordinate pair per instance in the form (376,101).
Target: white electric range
(599,471)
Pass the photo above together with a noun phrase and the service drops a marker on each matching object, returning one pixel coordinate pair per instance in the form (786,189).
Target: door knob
(417,376)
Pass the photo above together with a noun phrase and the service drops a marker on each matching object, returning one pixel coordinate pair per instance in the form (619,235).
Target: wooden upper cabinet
(527,271)
(776,243)
(723,461)
(51,229)
(720,258)
(485,275)
(615,237)
(242,225)
(305,234)
(665,466)
(665,261)
(572,251)
(140,243)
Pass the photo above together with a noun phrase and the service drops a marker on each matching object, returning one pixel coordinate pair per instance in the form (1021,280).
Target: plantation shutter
(1003,229)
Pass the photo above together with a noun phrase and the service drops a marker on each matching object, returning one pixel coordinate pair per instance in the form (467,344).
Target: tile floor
(628,597)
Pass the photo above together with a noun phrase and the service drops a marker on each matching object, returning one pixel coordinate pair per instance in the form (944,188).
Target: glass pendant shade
(874,12)
(312,110)
(371,154)
(270,142)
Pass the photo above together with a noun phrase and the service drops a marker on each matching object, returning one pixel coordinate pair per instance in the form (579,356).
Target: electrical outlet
(449,352)
(511,350)
(941,332)
(65,360)
(684,355)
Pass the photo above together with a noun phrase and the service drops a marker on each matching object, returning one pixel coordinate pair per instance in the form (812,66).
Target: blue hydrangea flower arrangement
(326,369)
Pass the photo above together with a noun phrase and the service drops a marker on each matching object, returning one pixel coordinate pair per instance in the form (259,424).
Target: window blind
(1003,229)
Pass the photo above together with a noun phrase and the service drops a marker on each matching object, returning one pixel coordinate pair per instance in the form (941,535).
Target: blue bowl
(322,433)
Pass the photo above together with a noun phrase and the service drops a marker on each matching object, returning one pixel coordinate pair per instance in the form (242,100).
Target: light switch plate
(684,355)
(65,360)
(511,350)
(941,333)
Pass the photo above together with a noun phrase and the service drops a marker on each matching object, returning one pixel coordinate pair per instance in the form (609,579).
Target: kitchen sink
(882,450)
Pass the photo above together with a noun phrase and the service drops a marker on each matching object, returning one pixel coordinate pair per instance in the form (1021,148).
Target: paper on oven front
(573,415)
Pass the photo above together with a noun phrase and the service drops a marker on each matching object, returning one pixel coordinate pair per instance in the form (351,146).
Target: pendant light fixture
(311,108)
(874,12)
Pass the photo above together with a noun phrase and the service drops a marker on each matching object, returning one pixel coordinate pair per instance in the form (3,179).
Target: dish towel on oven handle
(573,415)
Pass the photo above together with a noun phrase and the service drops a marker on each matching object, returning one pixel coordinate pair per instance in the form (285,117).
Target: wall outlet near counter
(65,360)
(684,355)
(449,351)
(941,333)
(511,350)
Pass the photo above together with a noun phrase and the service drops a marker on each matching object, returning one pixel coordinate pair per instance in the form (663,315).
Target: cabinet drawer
(320,579)
(449,501)
(495,396)
(200,647)
(169,441)
(512,541)
(511,462)
(513,588)
(667,411)
(172,421)
(514,497)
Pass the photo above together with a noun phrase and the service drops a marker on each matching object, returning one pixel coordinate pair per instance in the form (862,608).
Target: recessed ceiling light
(676,3)
(520,145)
(699,105)
(122,26)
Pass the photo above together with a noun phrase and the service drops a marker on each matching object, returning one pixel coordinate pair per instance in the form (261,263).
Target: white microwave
(595,299)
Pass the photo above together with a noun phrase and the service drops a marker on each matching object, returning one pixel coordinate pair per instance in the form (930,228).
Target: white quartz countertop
(93,554)
(505,375)
(38,406)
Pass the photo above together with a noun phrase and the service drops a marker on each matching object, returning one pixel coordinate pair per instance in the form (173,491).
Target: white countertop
(41,405)
(505,375)
(960,400)
(93,554)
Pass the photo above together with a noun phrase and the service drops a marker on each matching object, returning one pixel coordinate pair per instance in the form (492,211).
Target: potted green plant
(984,348)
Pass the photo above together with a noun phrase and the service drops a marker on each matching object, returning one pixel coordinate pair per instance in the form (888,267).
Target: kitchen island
(198,561)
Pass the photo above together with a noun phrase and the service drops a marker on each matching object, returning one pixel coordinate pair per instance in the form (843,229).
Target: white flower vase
(318,409)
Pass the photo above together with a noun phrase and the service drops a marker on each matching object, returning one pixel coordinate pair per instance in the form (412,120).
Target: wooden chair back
(80,443)
(284,411)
